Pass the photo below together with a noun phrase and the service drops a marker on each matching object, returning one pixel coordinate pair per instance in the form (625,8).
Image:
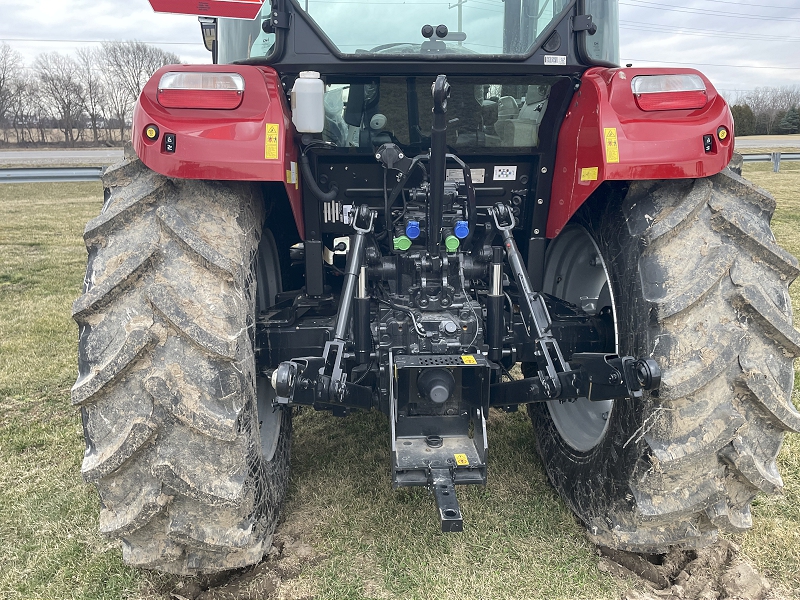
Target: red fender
(649,145)
(224,144)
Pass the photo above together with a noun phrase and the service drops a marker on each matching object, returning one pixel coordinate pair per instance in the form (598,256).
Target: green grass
(774,542)
(49,545)
(520,541)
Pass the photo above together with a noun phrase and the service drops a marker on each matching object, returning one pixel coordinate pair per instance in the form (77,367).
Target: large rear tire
(190,460)
(698,283)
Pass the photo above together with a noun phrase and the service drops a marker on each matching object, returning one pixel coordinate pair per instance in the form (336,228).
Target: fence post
(776,162)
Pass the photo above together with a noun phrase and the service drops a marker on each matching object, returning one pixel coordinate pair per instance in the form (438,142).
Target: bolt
(536,232)
(540,201)
(613,378)
(544,169)
(604,416)
(401,155)
(378,156)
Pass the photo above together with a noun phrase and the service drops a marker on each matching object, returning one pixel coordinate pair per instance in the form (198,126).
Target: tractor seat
(523,130)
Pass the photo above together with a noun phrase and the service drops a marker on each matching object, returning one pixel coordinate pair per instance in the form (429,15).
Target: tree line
(85,98)
(767,111)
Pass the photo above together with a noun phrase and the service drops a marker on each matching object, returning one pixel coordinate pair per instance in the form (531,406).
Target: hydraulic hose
(311,182)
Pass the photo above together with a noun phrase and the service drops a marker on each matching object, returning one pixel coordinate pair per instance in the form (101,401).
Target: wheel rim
(268,285)
(576,272)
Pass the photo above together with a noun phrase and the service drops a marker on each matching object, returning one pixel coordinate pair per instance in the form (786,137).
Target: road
(768,141)
(100,156)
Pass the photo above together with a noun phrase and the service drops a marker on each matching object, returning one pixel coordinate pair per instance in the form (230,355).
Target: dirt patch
(273,577)
(716,572)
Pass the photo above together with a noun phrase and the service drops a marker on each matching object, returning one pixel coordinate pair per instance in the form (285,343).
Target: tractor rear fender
(252,142)
(606,136)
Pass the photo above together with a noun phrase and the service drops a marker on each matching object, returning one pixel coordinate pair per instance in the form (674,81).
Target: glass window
(482,27)
(603,46)
(481,113)
(395,26)
(238,39)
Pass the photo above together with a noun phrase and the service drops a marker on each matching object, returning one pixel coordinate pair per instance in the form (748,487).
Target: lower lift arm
(595,376)
(321,380)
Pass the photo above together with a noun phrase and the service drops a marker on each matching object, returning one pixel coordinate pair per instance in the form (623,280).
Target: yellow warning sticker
(271,141)
(589,174)
(612,148)
(468,359)
(461,460)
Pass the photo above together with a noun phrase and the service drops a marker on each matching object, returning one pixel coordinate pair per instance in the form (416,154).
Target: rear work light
(669,92)
(200,90)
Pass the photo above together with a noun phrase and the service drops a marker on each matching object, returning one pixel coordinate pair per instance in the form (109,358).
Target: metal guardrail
(50,174)
(775,158)
(768,157)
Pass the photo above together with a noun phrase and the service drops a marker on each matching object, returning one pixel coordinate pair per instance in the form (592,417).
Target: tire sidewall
(595,483)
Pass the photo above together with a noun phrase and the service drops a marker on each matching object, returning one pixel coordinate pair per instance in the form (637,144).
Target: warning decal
(271,141)
(468,359)
(291,174)
(461,460)
(589,174)
(612,148)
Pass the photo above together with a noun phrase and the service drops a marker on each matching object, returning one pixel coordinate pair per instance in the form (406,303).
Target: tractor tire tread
(166,379)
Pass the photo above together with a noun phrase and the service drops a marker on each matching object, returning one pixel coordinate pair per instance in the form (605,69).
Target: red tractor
(374,206)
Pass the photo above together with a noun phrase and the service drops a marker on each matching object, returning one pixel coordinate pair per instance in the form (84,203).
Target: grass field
(370,542)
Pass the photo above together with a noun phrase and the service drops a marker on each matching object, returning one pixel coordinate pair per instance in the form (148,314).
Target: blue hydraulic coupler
(461,230)
(412,229)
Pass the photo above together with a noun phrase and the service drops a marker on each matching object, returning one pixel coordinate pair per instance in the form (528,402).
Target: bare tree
(10,71)
(58,78)
(37,110)
(133,63)
(16,114)
(28,112)
(116,106)
(90,75)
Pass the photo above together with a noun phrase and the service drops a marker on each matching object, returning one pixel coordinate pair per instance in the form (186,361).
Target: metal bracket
(279,20)
(584,23)
(595,376)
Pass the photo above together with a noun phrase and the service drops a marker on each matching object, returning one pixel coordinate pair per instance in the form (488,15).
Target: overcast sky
(739,45)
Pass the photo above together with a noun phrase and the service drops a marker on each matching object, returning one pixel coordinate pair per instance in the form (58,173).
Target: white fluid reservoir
(308,108)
